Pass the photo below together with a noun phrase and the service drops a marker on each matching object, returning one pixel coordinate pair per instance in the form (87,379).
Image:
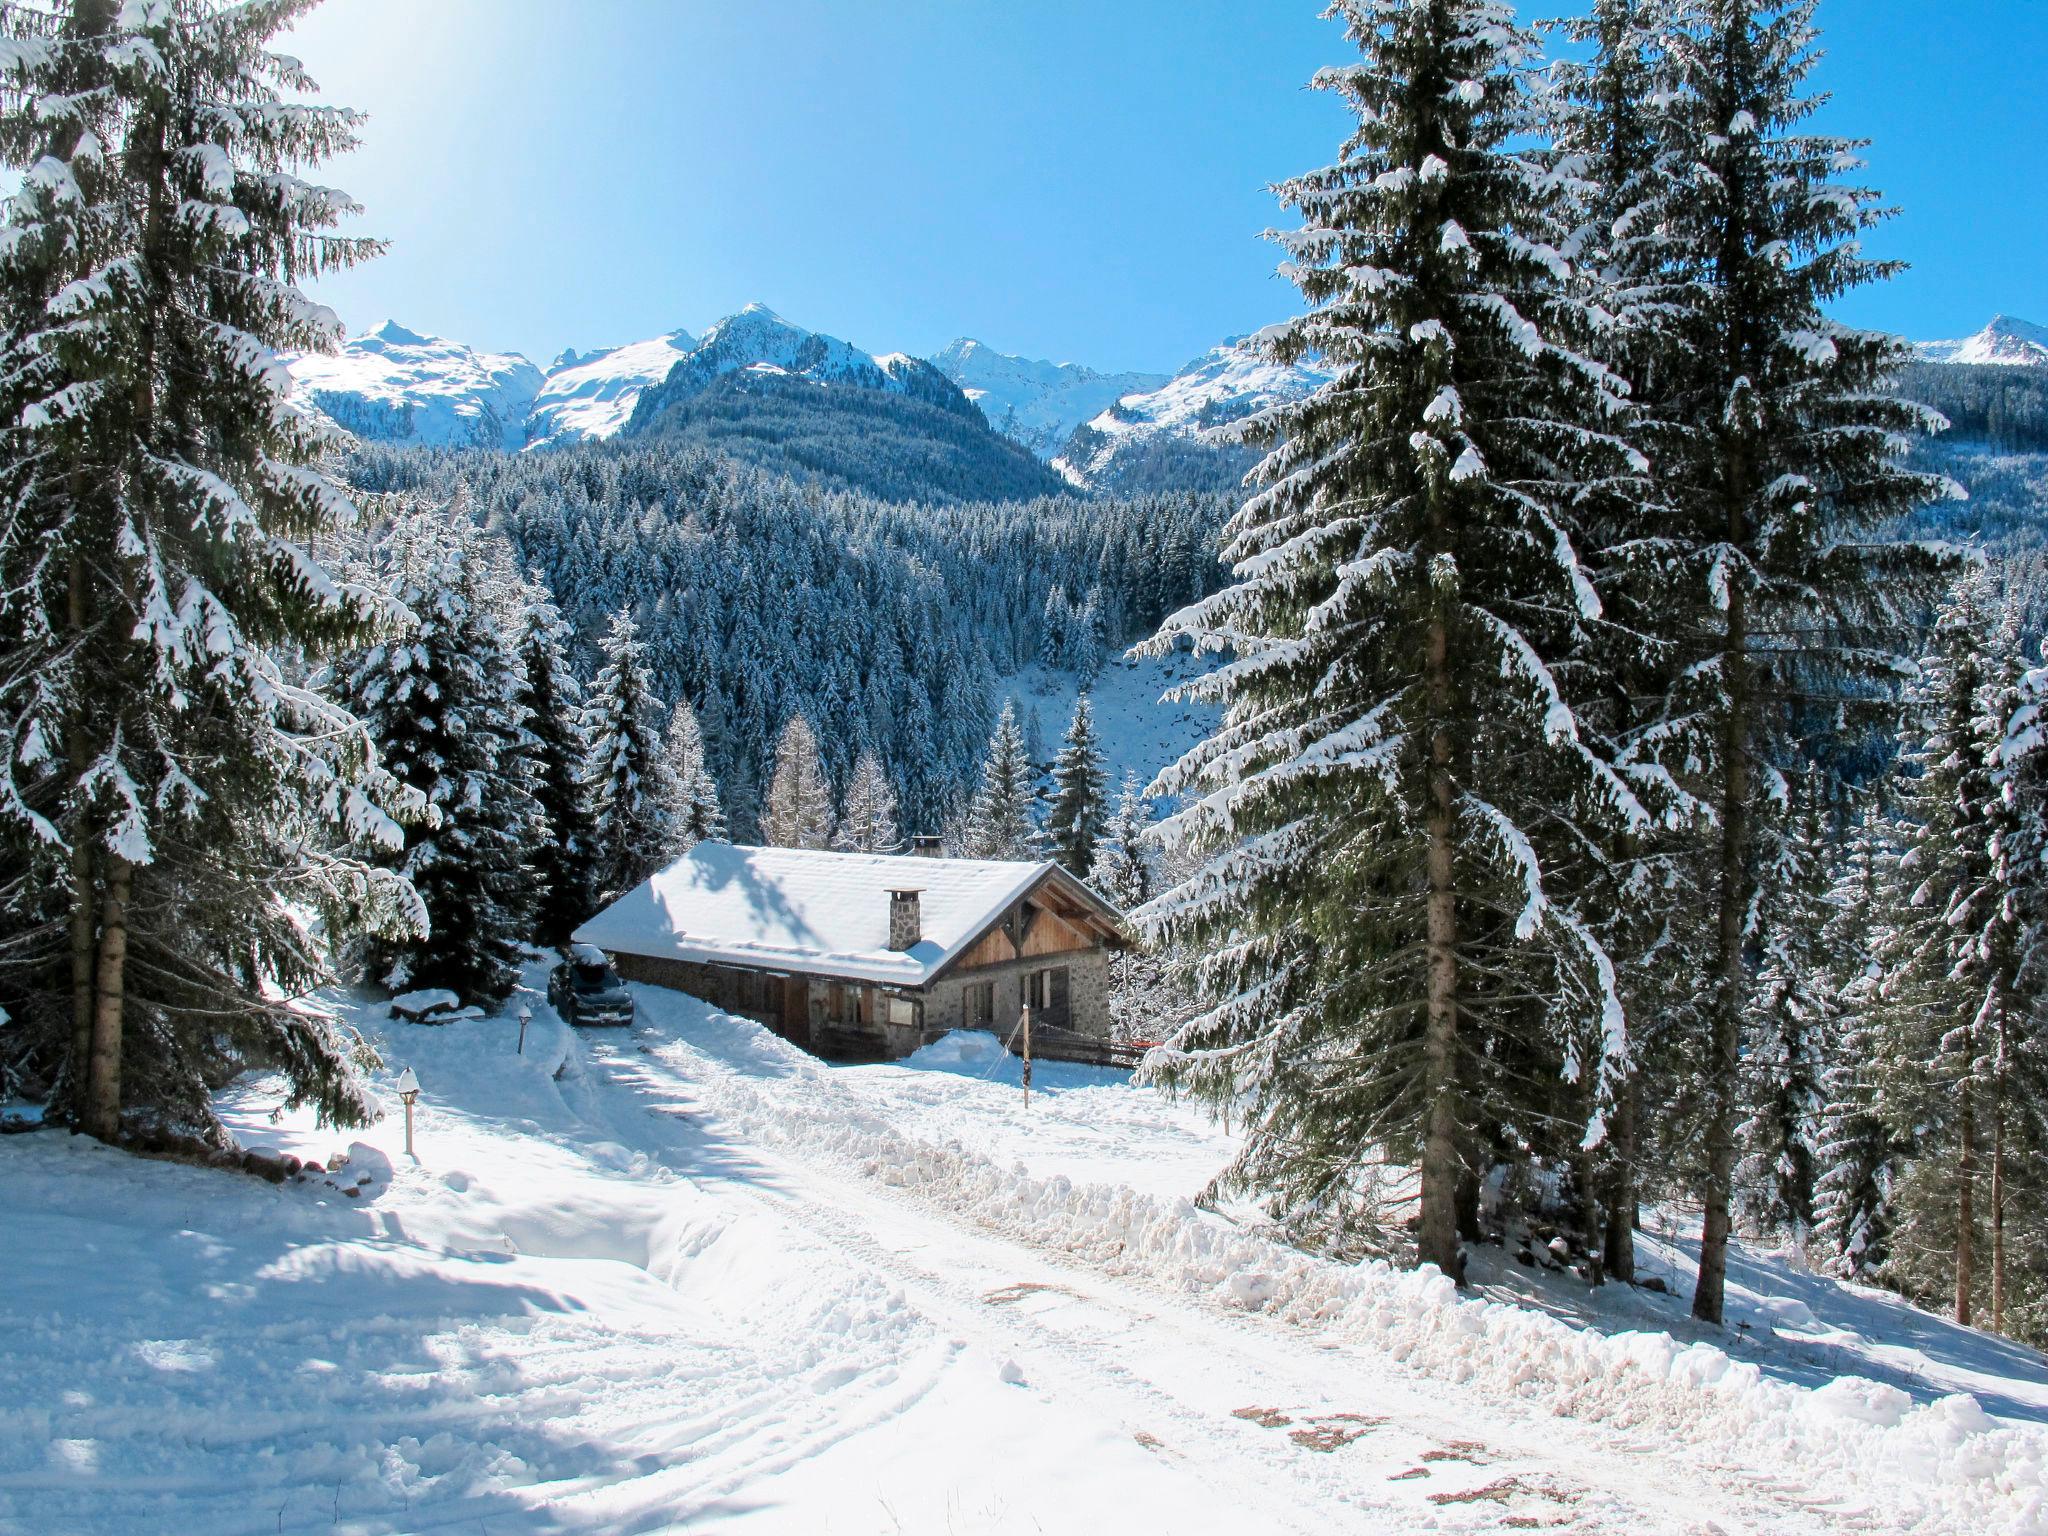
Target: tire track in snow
(1086,1359)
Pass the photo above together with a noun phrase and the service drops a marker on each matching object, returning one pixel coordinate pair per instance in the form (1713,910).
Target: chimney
(926,846)
(906,919)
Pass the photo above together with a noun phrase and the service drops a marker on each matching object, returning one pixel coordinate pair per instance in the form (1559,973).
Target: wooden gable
(1049,919)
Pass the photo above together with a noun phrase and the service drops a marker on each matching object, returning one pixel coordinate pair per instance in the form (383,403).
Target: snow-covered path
(686,1278)
(1270,1424)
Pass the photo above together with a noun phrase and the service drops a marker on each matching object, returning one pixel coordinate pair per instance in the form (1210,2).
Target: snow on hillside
(593,395)
(685,1277)
(1140,732)
(1037,403)
(2005,341)
(395,385)
(1224,384)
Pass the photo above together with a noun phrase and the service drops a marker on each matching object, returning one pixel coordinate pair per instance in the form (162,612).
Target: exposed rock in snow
(1039,404)
(2004,342)
(394,385)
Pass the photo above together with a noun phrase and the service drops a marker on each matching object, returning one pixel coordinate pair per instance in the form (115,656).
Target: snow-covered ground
(1140,732)
(683,1277)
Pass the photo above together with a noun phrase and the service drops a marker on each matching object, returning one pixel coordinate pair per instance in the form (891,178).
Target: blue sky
(1077,179)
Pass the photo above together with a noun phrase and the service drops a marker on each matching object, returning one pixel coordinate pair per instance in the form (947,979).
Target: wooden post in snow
(1027,1055)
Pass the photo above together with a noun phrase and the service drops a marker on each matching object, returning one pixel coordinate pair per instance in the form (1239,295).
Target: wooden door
(796,1010)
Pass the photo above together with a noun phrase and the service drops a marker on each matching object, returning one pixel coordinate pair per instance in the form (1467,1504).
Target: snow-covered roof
(813,913)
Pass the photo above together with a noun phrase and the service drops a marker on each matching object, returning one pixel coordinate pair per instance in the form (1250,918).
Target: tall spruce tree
(1073,823)
(695,814)
(2019,1152)
(1951,965)
(1002,818)
(1792,1023)
(1612,155)
(630,792)
(1776,465)
(1122,870)
(867,821)
(441,698)
(1857,1148)
(1400,757)
(552,700)
(161,505)
(799,809)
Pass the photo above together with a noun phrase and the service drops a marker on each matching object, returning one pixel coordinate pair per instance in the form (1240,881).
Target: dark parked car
(586,990)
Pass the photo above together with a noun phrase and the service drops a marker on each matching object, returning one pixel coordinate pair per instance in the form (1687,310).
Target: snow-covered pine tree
(867,821)
(695,814)
(552,699)
(2019,1152)
(799,809)
(1400,753)
(1791,1024)
(1858,1151)
(1950,969)
(630,792)
(1073,823)
(1002,819)
(1611,154)
(1122,870)
(161,505)
(1777,462)
(441,698)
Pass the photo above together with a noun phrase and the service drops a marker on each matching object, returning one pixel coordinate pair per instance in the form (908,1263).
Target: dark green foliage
(442,698)
(552,701)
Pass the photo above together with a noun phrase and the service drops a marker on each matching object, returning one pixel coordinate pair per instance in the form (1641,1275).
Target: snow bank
(979,1053)
(1945,1466)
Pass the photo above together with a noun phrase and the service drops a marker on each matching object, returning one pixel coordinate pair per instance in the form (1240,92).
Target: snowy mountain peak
(2005,342)
(391,384)
(389,333)
(757,340)
(1037,403)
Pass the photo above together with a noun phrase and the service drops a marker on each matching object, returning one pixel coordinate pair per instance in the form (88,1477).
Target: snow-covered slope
(1223,384)
(395,385)
(593,395)
(2005,341)
(1037,403)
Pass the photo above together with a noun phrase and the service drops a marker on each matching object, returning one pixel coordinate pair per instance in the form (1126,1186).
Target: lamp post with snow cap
(525,1018)
(408,1090)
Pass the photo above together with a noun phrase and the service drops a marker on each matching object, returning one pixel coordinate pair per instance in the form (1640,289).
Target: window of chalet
(981,1003)
(1047,992)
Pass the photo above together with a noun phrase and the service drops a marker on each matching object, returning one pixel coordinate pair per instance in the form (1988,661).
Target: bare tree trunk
(1438,1241)
(103,1082)
(1618,1248)
(1725,1046)
(1966,1203)
(1998,1187)
(84,922)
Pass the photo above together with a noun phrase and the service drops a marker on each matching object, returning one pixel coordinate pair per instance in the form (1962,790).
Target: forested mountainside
(900,447)
(884,623)
(1996,448)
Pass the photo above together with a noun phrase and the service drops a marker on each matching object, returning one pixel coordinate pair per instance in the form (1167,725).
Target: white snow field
(684,1277)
